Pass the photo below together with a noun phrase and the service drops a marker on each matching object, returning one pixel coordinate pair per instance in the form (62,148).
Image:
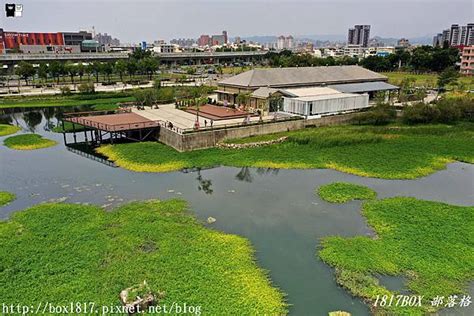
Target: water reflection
(32,119)
(205,185)
(245,173)
(268,171)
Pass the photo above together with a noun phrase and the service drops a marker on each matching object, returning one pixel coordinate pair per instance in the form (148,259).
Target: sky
(149,20)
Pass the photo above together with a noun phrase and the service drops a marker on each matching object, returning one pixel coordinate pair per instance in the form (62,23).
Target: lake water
(277,210)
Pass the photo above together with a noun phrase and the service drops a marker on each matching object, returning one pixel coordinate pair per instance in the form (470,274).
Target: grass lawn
(28,142)
(392,152)
(426,80)
(58,252)
(6,129)
(429,243)
(341,192)
(6,197)
(100,101)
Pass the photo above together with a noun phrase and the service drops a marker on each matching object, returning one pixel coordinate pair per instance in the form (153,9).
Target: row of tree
(288,59)
(139,62)
(420,59)
(182,95)
(56,69)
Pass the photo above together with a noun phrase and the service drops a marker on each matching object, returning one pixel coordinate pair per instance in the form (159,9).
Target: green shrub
(65,90)
(380,114)
(446,110)
(86,88)
(466,108)
(420,113)
(448,113)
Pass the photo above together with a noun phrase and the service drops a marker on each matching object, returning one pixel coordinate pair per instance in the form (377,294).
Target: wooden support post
(74,132)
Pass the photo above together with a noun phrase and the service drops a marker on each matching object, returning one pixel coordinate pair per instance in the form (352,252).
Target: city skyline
(149,21)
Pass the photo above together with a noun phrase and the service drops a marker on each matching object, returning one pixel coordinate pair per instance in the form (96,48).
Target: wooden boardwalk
(117,124)
(114,122)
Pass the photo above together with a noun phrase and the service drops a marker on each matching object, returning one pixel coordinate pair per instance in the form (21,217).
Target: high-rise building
(285,42)
(224,33)
(281,42)
(183,42)
(204,40)
(469,39)
(290,43)
(403,42)
(106,39)
(359,35)
(456,36)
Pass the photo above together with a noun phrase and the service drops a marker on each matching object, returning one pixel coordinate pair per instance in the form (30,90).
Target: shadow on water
(277,210)
(87,151)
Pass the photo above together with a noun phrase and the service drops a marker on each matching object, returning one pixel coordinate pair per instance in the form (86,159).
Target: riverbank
(57,251)
(98,101)
(390,152)
(408,244)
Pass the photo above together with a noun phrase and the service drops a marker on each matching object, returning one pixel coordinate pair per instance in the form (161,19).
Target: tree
(71,70)
(81,69)
(146,97)
(132,68)
(448,76)
(148,66)
(243,99)
(140,53)
(421,59)
(95,68)
(1,73)
(56,69)
(107,69)
(377,63)
(444,58)
(43,71)
(86,88)
(121,68)
(25,70)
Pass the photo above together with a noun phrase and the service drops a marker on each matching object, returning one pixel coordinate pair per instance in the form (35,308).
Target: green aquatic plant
(6,129)
(55,252)
(430,243)
(28,142)
(6,197)
(341,192)
(391,152)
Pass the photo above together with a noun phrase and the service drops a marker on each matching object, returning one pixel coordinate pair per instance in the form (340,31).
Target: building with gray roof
(264,84)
